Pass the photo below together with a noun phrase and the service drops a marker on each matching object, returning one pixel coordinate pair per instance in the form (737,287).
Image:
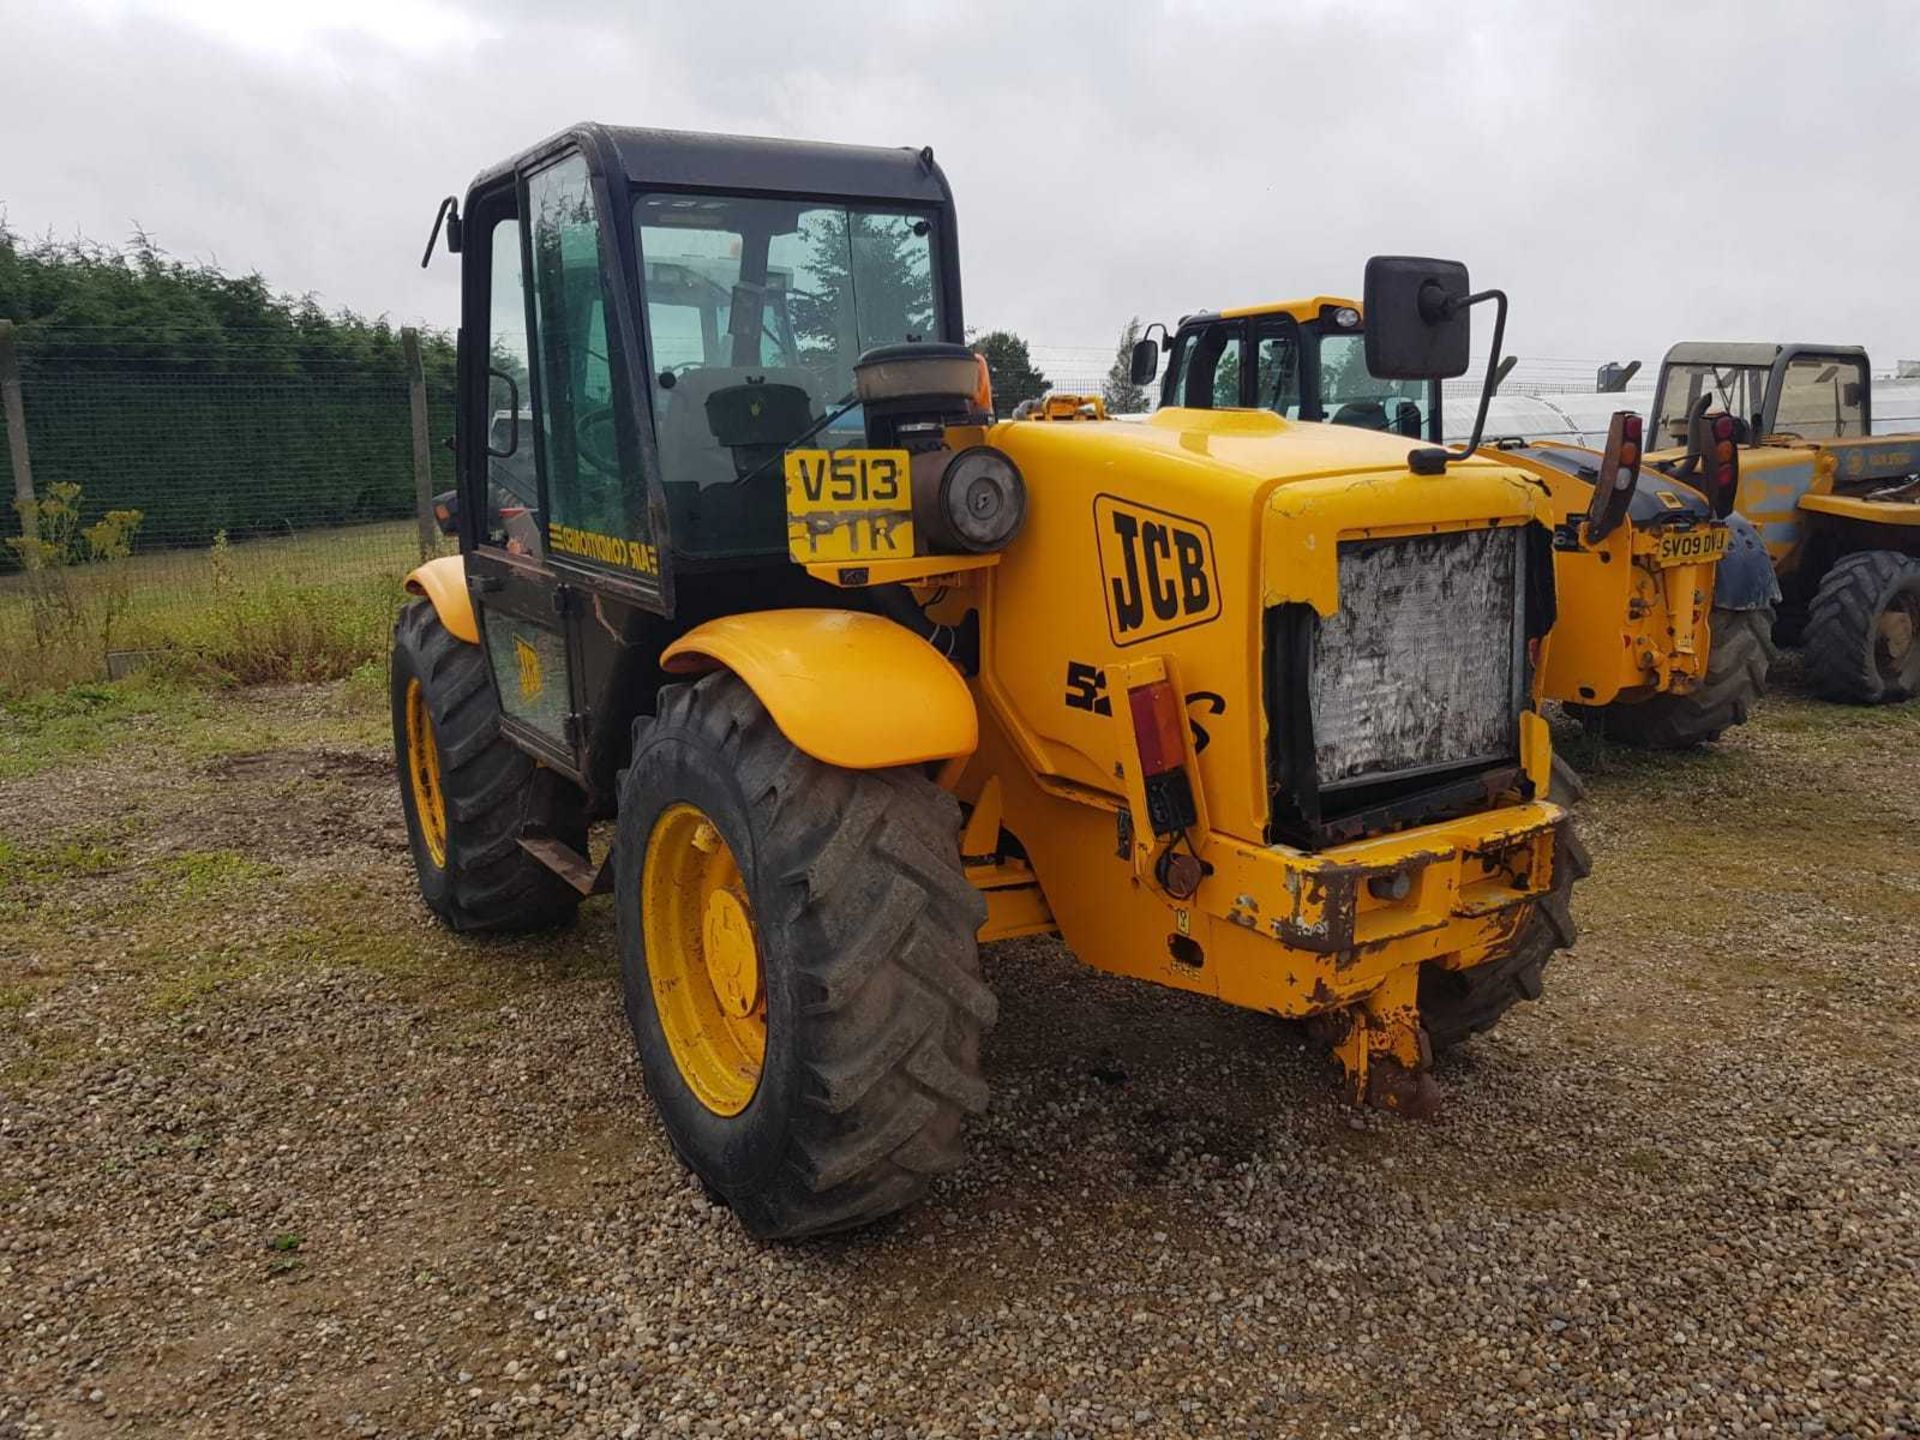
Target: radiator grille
(1421,669)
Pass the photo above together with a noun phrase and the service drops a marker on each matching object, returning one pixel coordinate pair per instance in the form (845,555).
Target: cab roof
(1748,352)
(1301,310)
(686,159)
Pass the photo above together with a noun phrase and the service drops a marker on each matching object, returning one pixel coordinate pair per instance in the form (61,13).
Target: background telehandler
(1235,705)
(1663,634)
(1838,507)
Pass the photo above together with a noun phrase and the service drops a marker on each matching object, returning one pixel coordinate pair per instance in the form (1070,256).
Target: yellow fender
(444,582)
(850,689)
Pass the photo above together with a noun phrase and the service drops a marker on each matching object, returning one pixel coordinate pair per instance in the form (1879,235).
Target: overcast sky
(1630,173)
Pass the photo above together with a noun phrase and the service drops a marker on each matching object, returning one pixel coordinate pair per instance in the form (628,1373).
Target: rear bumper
(1334,923)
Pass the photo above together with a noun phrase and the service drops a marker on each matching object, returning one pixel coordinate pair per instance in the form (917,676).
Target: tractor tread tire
(494,791)
(1458,1004)
(1740,652)
(860,896)
(1841,625)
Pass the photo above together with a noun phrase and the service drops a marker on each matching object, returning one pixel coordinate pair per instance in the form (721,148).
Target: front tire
(1863,629)
(468,793)
(1740,651)
(1457,1004)
(799,965)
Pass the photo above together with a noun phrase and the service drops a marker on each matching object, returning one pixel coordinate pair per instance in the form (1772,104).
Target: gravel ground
(277,1157)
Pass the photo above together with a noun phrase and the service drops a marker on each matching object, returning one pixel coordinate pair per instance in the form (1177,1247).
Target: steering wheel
(594,440)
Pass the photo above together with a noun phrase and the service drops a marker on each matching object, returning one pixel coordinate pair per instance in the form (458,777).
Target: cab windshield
(1350,394)
(756,310)
(1740,390)
(1300,371)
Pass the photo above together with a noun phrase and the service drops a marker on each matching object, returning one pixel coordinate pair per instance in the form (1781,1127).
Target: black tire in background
(1456,1004)
(1863,629)
(494,793)
(866,929)
(1740,652)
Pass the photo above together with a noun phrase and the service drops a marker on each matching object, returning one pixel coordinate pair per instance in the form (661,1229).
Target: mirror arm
(449,215)
(1690,461)
(1433,460)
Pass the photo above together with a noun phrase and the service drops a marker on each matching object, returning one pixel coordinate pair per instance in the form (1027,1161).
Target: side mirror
(513,409)
(446,512)
(1145,362)
(448,215)
(1851,395)
(1417,326)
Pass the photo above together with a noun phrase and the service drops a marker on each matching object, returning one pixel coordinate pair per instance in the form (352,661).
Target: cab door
(552,481)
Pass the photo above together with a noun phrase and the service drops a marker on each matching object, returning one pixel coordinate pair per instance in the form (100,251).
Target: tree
(1123,397)
(867,281)
(1010,367)
(78,303)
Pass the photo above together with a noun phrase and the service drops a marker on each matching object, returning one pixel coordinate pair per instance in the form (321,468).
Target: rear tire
(868,979)
(1739,654)
(466,848)
(1863,629)
(1457,1004)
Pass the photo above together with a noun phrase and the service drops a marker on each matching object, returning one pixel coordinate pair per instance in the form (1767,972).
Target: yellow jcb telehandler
(1663,634)
(1838,507)
(865,679)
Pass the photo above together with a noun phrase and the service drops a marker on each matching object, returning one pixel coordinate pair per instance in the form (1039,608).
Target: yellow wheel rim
(423,773)
(1895,635)
(703,959)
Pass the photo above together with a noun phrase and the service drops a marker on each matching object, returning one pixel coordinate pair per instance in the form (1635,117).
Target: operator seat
(1367,414)
(707,505)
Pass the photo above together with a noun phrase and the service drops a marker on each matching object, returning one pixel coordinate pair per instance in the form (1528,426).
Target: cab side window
(513,482)
(1822,398)
(1277,367)
(1209,368)
(595,495)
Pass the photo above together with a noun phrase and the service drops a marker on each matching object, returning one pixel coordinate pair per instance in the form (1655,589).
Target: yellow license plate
(849,505)
(1692,547)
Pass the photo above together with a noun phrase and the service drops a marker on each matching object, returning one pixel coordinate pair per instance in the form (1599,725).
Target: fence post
(422,444)
(16,411)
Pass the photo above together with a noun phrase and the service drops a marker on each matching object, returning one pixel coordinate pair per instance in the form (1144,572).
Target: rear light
(1723,465)
(1156,727)
(1619,474)
(1158,724)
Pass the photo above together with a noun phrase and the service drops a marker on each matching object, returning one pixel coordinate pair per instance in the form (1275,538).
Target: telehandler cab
(864,679)
(1663,634)
(1838,507)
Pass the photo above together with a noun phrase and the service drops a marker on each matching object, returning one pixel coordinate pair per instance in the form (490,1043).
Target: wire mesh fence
(246,455)
(248,474)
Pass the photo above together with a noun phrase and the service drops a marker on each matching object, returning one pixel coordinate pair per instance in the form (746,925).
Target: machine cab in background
(637,351)
(1303,360)
(1808,392)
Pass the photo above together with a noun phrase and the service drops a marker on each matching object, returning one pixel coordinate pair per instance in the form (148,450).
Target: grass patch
(191,979)
(309,607)
(56,727)
(199,874)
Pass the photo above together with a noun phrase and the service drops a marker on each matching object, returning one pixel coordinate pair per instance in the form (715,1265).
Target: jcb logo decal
(527,662)
(1158,570)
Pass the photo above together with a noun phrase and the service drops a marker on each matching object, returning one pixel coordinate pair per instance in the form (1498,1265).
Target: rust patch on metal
(1335,893)
(1393,1087)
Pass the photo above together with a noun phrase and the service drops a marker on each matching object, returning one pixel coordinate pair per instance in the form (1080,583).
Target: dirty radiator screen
(1419,669)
